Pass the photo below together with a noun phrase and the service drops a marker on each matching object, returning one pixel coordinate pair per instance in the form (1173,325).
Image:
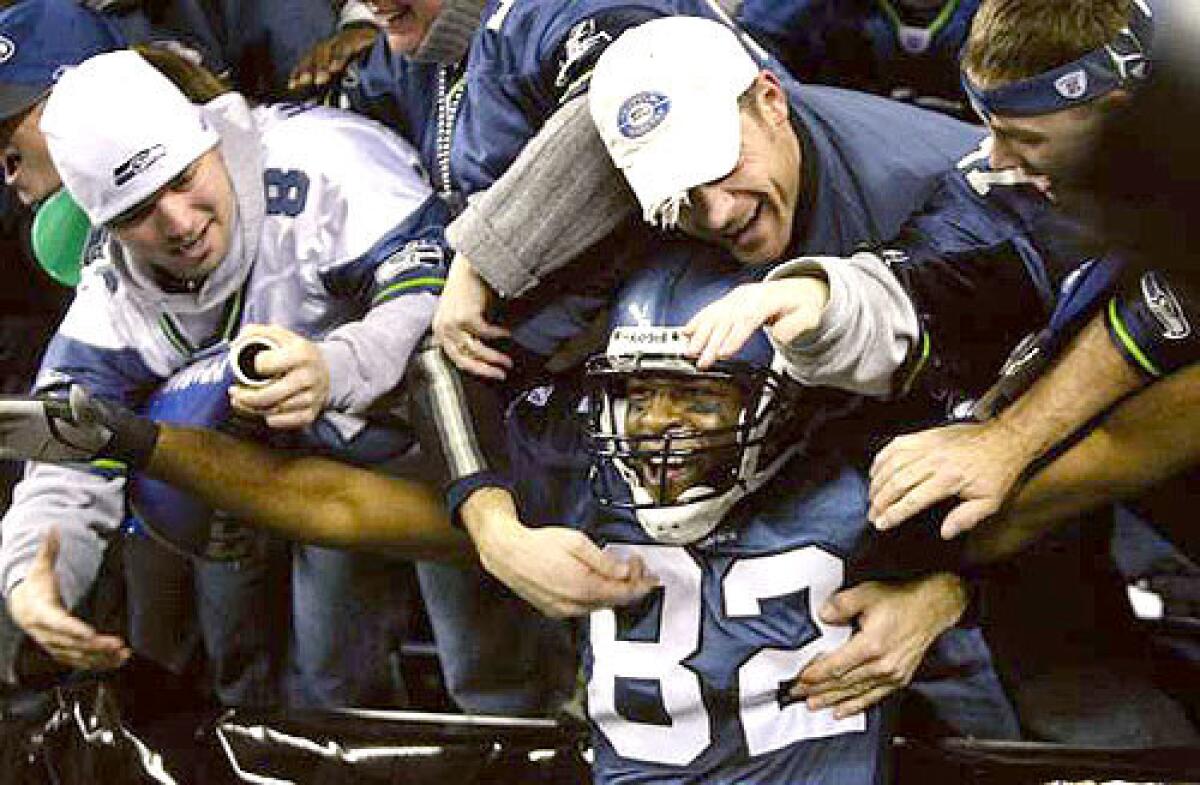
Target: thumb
(83,409)
(967,516)
(604,564)
(788,325)
(842,607)
(47,554)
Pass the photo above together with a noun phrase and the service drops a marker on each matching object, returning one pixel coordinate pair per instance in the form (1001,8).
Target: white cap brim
(664,97)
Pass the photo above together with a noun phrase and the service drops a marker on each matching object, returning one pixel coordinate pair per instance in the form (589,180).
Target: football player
(724,483)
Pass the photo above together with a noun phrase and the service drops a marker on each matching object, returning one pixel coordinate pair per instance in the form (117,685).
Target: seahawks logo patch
(7,49)
(138,163)
(1165,308)
(416,253)
(581,41)
(642,113)
(1073,85)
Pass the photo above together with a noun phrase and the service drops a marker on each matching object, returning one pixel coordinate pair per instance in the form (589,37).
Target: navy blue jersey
(685,686)
(526,59)
(872,45)
(858,184)
(256,44)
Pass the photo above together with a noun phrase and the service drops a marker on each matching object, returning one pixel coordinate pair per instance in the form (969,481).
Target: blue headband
(1124,62)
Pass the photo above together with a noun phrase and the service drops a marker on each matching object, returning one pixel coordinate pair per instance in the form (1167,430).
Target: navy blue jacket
(868,45)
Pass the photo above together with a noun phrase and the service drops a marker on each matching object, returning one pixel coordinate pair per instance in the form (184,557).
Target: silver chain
(449,97)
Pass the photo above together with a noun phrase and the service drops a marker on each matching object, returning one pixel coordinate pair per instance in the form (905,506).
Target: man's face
(751,210)
(1050,147)
(28,170)
(682,408)
(185,227)
(405,22)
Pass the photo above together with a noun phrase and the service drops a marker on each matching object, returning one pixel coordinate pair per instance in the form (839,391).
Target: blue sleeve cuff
(462,488)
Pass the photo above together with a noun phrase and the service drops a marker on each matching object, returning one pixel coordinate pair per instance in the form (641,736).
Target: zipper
(449,96)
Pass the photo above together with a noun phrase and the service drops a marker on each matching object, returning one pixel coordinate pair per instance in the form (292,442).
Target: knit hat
(118,131)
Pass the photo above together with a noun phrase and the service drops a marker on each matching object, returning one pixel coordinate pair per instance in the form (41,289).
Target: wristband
(133,437)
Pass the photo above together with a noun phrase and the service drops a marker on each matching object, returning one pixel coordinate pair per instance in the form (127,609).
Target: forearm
(866,330)
(1144,441)
(460,422)
(367,358)
(80,505)
(1088,377)
(560,196)
(307,498)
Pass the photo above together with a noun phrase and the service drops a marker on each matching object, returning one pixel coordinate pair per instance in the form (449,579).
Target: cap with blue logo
(38,39)
(664,97)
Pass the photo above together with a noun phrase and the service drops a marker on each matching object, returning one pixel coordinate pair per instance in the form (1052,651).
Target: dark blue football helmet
(631,470)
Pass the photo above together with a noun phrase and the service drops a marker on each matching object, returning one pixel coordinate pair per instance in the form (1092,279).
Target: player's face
(28,170)
(751,210)
(683,409)
(185,227)
(405,22)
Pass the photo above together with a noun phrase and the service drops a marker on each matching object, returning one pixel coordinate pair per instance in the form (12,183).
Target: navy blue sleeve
(410,259)
(1150,322)
(983,272)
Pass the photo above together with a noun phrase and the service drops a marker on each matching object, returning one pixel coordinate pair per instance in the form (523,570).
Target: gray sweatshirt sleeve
(866,331)
(80,505)
(560,196)
(367,358)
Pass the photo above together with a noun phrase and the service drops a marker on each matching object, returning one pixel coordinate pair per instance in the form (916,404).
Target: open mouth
(191,247)
(737,234)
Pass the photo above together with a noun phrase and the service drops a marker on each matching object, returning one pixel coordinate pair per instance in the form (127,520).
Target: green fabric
(60,234)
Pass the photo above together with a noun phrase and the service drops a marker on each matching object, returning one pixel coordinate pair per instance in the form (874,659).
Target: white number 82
(768,725)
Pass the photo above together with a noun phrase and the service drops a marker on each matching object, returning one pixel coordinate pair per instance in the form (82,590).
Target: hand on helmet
(787,307)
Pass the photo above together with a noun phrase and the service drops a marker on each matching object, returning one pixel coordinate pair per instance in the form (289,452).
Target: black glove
(77,429)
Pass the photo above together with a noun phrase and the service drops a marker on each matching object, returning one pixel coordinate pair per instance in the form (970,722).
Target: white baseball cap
(118,131)
(664,97)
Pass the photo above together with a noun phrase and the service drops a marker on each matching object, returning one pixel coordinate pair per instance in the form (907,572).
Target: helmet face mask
(679,446)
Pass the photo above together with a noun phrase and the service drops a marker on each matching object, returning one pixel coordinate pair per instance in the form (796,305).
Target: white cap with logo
(664,97)
(118,131)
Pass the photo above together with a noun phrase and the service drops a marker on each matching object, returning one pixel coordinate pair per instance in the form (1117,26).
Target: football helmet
(641,468)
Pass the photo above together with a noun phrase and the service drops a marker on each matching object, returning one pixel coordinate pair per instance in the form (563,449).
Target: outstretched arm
(1144,441)
(300,497)
(307,498)
(980,463)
